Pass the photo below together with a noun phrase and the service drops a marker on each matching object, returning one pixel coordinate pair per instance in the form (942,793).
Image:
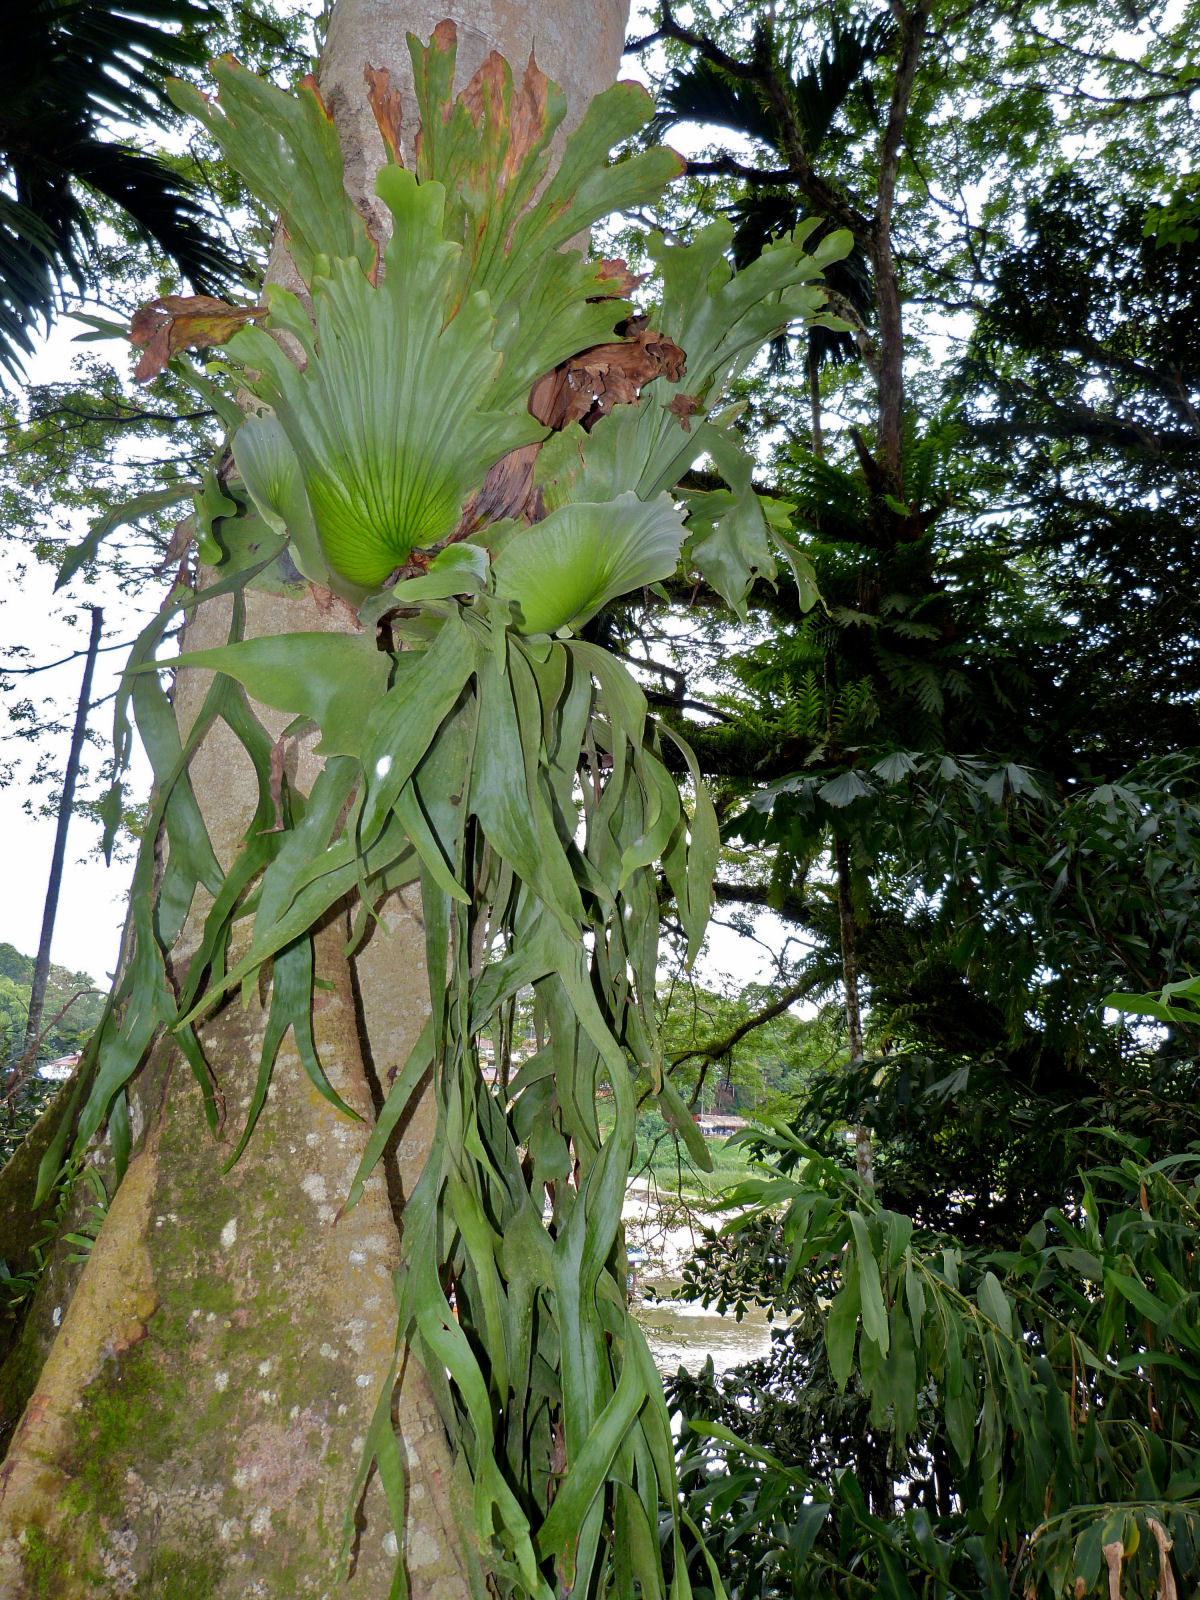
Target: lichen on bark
(201,1411)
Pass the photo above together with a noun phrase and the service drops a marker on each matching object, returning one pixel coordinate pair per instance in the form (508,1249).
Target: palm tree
(706,91)
(70,68)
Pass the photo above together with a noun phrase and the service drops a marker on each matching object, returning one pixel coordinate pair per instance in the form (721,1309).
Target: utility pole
(41,970)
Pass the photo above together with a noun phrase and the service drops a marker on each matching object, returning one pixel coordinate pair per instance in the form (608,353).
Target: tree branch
(788,904)
(829,201)
(718,1048)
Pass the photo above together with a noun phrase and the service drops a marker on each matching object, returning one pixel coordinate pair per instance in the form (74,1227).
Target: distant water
(681,1332)
(684,1333)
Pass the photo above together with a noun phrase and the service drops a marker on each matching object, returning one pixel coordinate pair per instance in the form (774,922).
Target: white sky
(91,905)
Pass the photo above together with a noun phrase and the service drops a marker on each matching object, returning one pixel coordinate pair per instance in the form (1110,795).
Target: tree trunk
(864,1158)
(913,22)
(813,369)
(198,1395)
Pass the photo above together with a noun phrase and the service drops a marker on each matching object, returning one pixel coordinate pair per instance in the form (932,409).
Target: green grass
(662,1158)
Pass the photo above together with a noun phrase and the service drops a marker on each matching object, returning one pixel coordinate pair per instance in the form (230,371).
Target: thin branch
(48,666)
(24,1067)
(1126,63)
(831,202)
(730,167)
(718,1048)
(127,416)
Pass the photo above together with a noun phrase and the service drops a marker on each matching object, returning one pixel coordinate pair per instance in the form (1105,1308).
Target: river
(680,1332)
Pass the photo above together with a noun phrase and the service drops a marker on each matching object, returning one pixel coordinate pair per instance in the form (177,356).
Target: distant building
(62,1067)
(719,1124)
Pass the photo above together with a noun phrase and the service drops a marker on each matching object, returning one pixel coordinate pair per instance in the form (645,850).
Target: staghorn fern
(507,767)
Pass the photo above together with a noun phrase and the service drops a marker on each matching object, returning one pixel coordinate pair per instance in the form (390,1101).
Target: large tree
(198,1396)
(441,467)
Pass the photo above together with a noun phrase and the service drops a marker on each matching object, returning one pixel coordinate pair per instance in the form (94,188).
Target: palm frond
(69,68)
(702,92)
(162,207)
(27,280)
(705,93)
(820,91)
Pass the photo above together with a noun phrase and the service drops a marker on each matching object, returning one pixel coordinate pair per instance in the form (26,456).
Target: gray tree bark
(195,1398)
(864,1155)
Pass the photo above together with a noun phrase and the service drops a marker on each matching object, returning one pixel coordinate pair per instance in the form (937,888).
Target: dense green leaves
(516,777)
(975,1419)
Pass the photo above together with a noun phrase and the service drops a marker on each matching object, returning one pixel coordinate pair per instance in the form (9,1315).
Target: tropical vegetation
(902,607)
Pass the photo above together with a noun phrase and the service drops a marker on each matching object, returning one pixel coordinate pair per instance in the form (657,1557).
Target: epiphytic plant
(467,435)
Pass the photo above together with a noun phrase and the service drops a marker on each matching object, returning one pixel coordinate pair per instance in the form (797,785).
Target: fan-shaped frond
(702,92)
(819,92)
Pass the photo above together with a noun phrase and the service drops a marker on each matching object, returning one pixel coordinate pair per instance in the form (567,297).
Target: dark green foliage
(1005,917)
(72,1010)
(1081,386)
(941,1420)
(69,67)
(993,726)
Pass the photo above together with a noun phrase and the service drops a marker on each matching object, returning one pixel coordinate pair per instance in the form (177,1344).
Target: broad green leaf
(458,569)
(120,516)
(994,1303)
(401,727)
(333,678)
(718,1430)
(270,471)
(841,1326)
(291,1002)
(874,1313)
(285,147)
(1136,1293)
(515,818)
(844,789)
(802,568)
(678,1116)
(902,1373)
(549,302)
(703,851)
(563,570)
(586,1472)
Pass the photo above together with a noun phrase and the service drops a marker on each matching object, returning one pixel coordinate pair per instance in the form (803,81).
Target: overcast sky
(91,906)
